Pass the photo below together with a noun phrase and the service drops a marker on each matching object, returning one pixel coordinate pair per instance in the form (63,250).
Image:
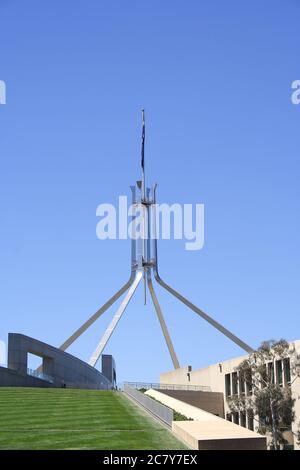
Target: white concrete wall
(214,377)
(206,426)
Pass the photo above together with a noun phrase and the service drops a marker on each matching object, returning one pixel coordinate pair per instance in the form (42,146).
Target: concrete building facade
(223,377)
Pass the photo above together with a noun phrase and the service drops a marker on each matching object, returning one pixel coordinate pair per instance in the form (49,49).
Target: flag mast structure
(144,264)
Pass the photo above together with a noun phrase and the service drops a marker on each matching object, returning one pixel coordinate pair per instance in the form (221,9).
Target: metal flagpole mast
(144,264)
(143,203)
(143,155)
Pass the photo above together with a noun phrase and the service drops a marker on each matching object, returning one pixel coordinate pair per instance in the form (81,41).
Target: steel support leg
(96,315)
(98,351)
(180,297)
(204,315)
(163,324)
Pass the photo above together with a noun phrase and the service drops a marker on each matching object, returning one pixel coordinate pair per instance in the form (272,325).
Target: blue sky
(215,79)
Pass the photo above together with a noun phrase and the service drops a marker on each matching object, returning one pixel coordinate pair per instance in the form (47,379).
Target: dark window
(235,417)
(227,385)
(271,376)
(287,371)
(264,420)
(279,372)
(242,382)
(243,419)
(248,377)
(250,420)
(234,383)
(228,416)
(264,377)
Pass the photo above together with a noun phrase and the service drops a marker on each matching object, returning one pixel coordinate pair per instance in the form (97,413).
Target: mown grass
(32,418)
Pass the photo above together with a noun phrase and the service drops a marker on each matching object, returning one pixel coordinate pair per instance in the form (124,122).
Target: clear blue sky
(215,79)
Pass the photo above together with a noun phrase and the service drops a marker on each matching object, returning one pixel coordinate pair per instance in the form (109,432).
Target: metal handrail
(161,411)
(39,375)
(159,386)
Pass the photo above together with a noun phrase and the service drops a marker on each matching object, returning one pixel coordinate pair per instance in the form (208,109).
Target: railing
(164,413)
(40,375)
(158,386)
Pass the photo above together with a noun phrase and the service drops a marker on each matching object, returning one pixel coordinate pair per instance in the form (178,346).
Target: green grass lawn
(32,418)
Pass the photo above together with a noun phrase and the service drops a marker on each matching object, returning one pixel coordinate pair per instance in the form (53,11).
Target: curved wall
(63,369)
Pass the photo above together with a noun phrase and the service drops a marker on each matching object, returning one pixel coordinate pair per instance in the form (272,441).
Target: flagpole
(143,155)
(143,199)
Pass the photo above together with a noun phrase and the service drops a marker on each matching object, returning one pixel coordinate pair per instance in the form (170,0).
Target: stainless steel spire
(145,264)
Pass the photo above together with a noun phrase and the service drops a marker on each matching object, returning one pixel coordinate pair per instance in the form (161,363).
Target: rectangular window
(228,416)
(287,371)
(264,377)
(248,376)
(271,376)
(243,419)
(242,382)
(227,385)
(235,417)
(234,383)
(279,372)
(261,421)
(250,420)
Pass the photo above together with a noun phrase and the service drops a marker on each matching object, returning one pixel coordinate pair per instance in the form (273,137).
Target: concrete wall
(64,369)
(208,431)
(177,376)
(11,378)
(206,435)
(207,401)
(212,376)
(109,368)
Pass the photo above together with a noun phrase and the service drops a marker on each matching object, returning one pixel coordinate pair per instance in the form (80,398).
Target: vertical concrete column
(48,366)
(17,354)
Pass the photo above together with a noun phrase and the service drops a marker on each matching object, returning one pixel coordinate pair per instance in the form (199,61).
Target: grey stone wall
(11,378)
(109,367)
(64,369)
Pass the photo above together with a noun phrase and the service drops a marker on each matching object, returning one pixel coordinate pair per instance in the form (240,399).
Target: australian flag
(143,141)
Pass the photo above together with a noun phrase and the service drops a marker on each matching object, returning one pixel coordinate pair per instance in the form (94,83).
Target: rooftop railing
(162,412)
(159,386)
(40,375)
